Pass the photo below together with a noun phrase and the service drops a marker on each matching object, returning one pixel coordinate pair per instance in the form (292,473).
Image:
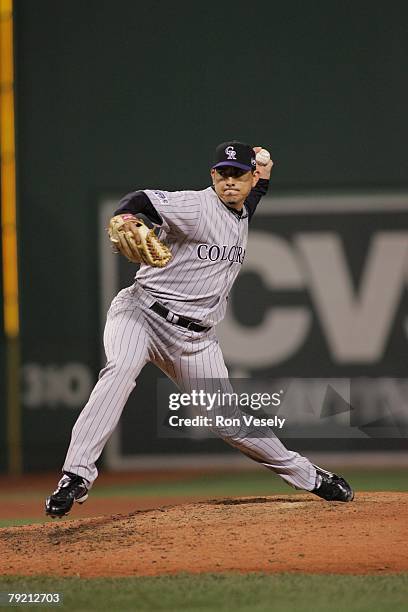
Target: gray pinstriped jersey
(208,244)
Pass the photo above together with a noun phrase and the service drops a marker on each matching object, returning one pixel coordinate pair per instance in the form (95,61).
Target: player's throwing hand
(263,169)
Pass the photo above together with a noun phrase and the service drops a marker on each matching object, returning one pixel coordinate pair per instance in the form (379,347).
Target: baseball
(263,157)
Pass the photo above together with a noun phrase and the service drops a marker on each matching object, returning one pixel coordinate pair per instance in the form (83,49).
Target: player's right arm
(260,188)
(255,195)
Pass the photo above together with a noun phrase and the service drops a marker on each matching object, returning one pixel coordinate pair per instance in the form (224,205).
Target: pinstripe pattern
(192,284)
(201,366)
(135,335)
(126,344)
(208,243)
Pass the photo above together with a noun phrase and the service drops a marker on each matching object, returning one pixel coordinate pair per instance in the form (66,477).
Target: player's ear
(255,177)
(212,172)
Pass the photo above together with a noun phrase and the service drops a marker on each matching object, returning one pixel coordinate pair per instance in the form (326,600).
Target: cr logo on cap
(231,153)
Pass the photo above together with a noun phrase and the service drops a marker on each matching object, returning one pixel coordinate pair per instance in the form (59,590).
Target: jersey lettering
(214,252)
(208,245)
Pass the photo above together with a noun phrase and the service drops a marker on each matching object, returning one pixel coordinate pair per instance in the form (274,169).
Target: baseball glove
(139,244)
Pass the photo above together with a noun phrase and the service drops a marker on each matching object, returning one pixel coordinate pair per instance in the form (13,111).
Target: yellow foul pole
(9,237)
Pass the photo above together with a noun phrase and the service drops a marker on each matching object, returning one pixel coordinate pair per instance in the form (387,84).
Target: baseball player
(169,314)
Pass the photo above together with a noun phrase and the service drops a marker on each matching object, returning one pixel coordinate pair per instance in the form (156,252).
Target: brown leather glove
(139,244)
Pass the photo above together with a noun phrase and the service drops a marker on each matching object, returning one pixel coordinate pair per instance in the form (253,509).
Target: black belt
(175,319)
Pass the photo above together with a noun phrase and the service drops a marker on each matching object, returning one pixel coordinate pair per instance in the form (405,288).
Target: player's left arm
(138,204)
(260,188)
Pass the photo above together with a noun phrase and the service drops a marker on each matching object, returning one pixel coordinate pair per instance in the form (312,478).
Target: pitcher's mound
(298,533)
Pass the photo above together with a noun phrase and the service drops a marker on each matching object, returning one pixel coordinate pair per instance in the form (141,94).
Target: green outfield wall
(115,96)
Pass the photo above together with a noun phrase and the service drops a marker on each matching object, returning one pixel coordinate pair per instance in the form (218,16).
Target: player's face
(232,185)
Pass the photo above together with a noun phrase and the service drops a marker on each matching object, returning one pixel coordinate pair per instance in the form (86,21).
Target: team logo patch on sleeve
(161,196)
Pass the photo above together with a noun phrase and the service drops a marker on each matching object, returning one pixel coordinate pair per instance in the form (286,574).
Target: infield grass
(262,482)
(255,483)
(224,592)
(206,486)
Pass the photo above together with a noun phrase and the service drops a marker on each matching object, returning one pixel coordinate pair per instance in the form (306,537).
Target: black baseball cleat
(331,487)
(71,488)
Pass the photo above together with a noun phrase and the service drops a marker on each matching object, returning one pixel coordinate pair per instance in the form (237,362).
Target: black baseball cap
(235,153)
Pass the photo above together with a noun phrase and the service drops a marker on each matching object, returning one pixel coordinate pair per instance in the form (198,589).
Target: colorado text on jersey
(215,252)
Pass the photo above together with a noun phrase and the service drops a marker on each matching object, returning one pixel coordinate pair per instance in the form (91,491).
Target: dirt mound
(298,533)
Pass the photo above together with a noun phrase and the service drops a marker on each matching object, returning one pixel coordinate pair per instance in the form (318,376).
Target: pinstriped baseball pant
(135,335)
